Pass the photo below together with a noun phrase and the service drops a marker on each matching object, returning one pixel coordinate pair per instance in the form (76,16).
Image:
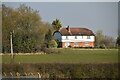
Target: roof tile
(76,31)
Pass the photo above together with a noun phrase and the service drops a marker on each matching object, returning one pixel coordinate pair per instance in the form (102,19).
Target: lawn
(68,56)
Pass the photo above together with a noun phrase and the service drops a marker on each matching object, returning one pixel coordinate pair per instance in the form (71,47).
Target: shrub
(102,46)
(52,44)
(62,70)
(51,51)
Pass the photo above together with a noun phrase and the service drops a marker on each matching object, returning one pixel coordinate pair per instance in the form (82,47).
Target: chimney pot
(68,28)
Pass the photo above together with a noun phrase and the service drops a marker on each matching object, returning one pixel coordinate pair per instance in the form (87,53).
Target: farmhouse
(74,37)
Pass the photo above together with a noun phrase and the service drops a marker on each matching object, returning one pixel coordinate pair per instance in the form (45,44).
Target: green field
(68,56)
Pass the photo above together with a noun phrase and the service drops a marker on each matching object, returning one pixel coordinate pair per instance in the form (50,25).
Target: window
(75,44)
(67,45)
(75,37)
(66,37)
(82,37)
(86,43)
(88,37)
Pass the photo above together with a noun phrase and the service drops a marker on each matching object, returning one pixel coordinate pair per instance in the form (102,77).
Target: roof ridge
(75,27)
(78,27)
(76,31)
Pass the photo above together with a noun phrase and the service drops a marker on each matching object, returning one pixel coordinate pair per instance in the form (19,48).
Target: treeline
(29,32)
(103,41)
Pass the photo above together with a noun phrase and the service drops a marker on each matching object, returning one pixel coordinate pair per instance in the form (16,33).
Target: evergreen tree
(56,24)
(48,38)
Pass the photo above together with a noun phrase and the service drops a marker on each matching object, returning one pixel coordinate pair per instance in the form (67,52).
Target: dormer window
(82,37)
(88,37)
(66,37)
(75,37)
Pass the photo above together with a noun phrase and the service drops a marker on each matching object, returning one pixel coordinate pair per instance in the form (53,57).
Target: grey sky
(92,15)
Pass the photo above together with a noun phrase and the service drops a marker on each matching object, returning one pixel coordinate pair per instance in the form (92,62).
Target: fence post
(18,75)
(26,74)
(4,74)
(11,74)
(39,75)
(32,75)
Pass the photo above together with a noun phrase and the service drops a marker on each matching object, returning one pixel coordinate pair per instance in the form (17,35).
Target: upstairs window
(82,37)
(75,37)
(66,37)
(88,37)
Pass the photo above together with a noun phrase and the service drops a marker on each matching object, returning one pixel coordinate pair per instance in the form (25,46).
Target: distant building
(74,37)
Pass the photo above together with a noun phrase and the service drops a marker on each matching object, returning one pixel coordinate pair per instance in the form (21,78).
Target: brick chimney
(68,28)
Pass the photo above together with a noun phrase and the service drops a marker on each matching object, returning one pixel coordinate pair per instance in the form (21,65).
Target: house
(74,37)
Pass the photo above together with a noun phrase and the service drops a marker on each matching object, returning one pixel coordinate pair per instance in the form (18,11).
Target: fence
(37,75)
(22,75)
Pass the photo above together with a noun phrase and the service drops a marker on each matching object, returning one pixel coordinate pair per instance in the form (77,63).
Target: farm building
(74,37)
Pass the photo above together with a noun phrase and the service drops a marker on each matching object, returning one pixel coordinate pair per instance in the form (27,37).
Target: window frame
(82,36)
(87,43)
(75,44)
(75,37)
(88,37)
(66,37)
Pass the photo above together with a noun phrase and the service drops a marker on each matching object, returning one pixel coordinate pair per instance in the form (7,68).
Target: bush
(96,47)
(53,44)
(63,70)
(51,51)
(102,46)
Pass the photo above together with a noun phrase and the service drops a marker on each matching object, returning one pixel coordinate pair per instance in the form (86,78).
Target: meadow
(67,56)
(65,63)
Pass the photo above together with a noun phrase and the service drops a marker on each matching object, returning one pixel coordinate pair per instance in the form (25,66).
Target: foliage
(118,41)
(102,46)
(65,70)
(51,51)
(48,38)
(0,28)
(27,28)
(99,37)
(56,24)
(53,44)
(103,41)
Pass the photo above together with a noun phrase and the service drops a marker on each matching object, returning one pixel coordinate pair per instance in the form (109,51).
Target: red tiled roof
(76,31)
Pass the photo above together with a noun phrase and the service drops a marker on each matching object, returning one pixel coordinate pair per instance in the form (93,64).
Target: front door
(67,45)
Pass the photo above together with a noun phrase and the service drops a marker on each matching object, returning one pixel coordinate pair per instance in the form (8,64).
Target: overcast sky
(92,15)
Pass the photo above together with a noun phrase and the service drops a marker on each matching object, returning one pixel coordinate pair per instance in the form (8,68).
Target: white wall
(79,39)
(61,38)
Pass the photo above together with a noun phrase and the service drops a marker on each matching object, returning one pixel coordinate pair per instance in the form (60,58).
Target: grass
(68,56)
(88,63)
